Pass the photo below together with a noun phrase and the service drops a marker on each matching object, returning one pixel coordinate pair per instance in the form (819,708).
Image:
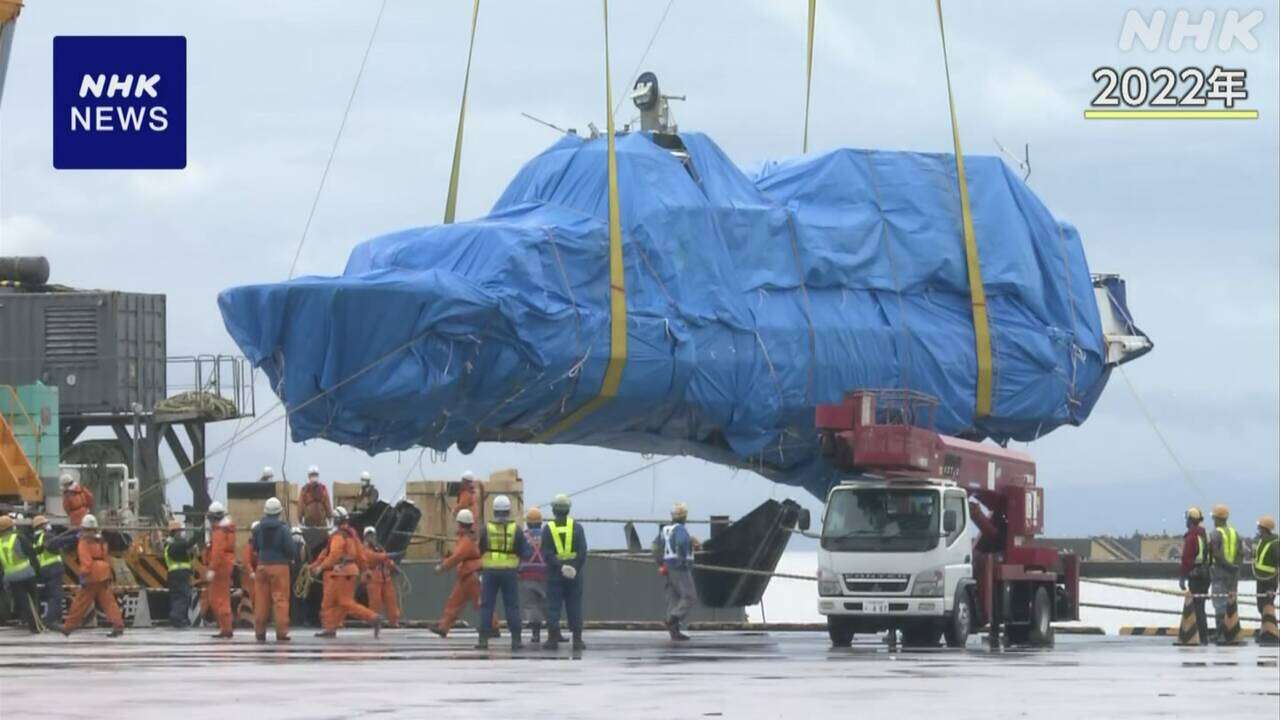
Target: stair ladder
(18,477)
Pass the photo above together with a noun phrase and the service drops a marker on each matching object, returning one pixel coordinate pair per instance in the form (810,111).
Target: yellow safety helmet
(39,521)
(1268,522)
(533,515)
(1193,513)
(6,523)
(1220,512)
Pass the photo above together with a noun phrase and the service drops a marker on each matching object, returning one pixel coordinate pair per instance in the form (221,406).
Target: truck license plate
(875,606)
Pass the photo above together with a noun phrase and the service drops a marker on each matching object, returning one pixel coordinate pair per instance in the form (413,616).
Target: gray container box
(103,350)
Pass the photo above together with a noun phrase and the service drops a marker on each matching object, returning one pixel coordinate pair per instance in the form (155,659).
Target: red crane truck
(931,535)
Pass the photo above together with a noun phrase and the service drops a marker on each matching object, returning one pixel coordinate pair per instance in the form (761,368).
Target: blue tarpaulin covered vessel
(750,300)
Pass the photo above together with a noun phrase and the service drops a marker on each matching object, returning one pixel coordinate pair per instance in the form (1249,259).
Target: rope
(636,72)
(451,200)
(1168,448)
(333,150)
(1153,611)
(302,586)
(616,478)
(808,74)
(1162,591)
(977,291)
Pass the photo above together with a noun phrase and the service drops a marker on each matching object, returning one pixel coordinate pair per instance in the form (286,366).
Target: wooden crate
(503,482)
(438,501)
(345,494)
(245,500)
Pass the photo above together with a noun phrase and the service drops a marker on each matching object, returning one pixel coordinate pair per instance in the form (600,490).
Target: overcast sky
(1185,211)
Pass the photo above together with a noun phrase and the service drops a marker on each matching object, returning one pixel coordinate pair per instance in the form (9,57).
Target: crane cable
(808,74)
(617,279)
(644,55)
(977,292)
(451,200)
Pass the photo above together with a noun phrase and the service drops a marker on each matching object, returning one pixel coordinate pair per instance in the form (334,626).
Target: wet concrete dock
(184,675)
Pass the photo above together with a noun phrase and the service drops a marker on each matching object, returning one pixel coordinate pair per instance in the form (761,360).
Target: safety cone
(1188,631)
(1267,635)
(1231,624)
(142,613)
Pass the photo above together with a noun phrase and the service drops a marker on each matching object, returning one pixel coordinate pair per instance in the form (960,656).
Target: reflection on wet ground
(163,673)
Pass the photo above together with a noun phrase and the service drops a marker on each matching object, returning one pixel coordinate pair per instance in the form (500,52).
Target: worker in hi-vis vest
(502,546)
(1266,558)
(1226,550)
(564,545)
(18,562)
(1194,568)
(674,548)
(178,549)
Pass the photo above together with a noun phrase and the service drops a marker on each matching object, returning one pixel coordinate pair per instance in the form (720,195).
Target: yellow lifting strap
(808,74)
(617,280)
(977,293)
(451,201)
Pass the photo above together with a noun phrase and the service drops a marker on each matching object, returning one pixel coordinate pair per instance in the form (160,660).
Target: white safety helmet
(216,508)
(561,503)
(313,471)
(371,530)
(465,517)
(469,476)
(268,472)
(254,525)
(365,477)
(89,522)
(297,530)
(66,481)
(272,506)
(340,513)
(679,511)
(502,505)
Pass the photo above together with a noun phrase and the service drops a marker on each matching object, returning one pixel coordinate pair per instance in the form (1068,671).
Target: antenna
(1024,164)
(553,126)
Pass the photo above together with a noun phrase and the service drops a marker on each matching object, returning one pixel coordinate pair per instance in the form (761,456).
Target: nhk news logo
(119,102)
(1213,91)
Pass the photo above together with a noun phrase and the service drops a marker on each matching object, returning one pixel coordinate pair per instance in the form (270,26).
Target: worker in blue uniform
(674,548)
(567,543)
(502,546)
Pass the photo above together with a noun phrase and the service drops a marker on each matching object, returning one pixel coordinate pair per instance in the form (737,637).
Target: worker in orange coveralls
(77,501)
(466,558)
(342,566)
(95,581)
(272,548)
(468,495)
(219,561)
(314,499)
(380,578)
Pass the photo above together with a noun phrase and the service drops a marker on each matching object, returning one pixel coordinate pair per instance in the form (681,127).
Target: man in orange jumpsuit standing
(314,499)
(77,501)
(342,565)
(219,561)
(380,579)
(466,558)
(95,581)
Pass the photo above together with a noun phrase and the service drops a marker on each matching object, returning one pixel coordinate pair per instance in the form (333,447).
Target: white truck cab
(897,555)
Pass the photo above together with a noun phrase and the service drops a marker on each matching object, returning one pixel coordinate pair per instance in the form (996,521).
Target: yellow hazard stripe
(977,293)
(617,280)
(451,200)
(808,73)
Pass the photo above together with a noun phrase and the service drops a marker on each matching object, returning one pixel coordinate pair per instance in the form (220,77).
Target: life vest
(17,566)
(1230,543)
(1262,568)
(562,538)
(502,547)
(45,558)
(172,564)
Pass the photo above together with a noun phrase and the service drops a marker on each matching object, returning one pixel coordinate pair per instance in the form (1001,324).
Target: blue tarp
(750,301)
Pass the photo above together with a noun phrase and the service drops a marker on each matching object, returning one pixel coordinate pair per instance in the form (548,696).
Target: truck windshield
(881,520)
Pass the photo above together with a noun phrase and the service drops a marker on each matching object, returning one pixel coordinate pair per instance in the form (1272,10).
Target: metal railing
(228,377)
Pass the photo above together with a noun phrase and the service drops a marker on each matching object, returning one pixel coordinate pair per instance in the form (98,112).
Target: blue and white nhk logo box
(119,102)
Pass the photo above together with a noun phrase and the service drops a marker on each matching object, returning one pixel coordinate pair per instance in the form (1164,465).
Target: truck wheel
(1040,634)
(840,630)
(957,630)
(921,634)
